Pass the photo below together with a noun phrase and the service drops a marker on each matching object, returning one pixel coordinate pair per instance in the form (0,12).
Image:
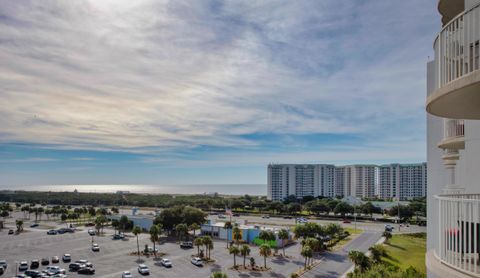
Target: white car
(150,249)
(143,269)
(166,263)
(91,232)
(23,266)
(197,261)
(3,264)
(55,269)
(127,274)
(95,247)
(66,258)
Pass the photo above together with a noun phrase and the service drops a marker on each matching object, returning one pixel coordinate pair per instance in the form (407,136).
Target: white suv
(197,261)
(143,269)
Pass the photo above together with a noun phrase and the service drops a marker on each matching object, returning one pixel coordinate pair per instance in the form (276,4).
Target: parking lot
(114,256)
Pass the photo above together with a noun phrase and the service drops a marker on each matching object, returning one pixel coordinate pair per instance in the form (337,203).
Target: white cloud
(137,75)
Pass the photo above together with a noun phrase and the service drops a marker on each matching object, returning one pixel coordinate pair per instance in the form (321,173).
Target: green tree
(283,235)
(377,251)
(245,251)
(237,234)
(181,230)
(307,253)
(198,242)
(154,236)
(218,274)
(266,235)
(208,242)
(343,208)
(123,222)
(361,261)
(115,225)
(228,226)
(19,224)
(194,227)
(136,231)
(235,251)
(265,251)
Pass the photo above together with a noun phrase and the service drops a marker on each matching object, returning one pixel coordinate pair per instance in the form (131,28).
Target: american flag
(228,212)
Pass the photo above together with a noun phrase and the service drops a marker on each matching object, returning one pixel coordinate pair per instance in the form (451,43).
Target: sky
(196,92)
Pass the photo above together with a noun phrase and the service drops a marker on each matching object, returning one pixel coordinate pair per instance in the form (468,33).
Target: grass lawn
(344,241)
(407,250)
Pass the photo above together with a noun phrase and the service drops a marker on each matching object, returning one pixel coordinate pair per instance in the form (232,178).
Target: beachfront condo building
(453,143)
(402,181)
(300,180)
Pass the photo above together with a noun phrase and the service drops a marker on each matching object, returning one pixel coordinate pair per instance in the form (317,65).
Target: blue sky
(195,92)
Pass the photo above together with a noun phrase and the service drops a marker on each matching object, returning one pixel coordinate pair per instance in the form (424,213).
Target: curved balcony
(453,135)
(457,73)
(458,238)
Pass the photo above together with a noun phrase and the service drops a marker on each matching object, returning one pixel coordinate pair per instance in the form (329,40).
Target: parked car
(85,263)
(55,269)
(10,232)
(2,270)
(266,216)
(95,247)
(86,270)
(34,225)
(346,221)
(388,228)
(89,224)
(21,275)
(66,258)
(23,266)
(166,262)
(127,274)
(150,249)
(236,215)
(197,261)
(47,272)
(287,217)
(91,232)
(34,264)
(51,232)
(55,260)
(32,273)
(45,261)
(74,266)
(222,216)
(143,269)
(116,237)
(186,244)
(59,275)
(3,264)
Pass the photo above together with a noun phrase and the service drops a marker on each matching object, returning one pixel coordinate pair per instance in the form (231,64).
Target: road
(335,264)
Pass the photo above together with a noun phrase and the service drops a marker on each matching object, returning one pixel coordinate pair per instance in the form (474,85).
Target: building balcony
(457,68)
(458,245)
(453,135)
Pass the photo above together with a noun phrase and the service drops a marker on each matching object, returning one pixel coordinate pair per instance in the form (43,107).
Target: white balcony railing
(459,232)
(453,128)
(457,47)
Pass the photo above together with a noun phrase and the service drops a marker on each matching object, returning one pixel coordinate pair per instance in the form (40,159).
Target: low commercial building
(249,232)
(143,221)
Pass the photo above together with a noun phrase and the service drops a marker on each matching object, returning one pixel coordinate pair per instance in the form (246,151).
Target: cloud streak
(160,76)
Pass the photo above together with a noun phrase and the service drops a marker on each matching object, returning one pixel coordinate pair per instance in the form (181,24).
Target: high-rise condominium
(405,181)
(402,181)
(453,143)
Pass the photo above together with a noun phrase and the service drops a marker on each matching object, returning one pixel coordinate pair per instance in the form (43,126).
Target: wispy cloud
(166,76)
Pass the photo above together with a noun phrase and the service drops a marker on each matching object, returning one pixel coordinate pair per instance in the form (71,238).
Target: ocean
(223,189)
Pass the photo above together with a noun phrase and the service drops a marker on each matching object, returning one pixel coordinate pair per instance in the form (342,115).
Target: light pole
(398,208)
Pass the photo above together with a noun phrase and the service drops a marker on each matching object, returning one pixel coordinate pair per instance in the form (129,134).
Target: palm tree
(154,234)
(198,242)
(283,235)
(307,253)
(377,252)
(361,261)
(237,234)
(228,226)
(266,236)
(136,231)
(245,251)
(265,251)
(194,227)
(181,230)
(235,251)
(387,236)
(208,242)
(123,222)
(19,224)
(218,275)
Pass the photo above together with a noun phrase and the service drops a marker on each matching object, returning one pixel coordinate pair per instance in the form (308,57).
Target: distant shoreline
(179,190)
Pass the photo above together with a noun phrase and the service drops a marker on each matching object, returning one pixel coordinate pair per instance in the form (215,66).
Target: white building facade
(402,181)
(453,143)
(327,180)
